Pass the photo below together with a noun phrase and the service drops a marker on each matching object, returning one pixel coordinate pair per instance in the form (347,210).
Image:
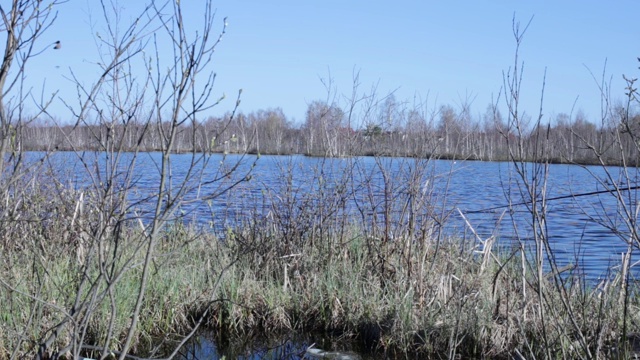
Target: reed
(439,299)
(439,303)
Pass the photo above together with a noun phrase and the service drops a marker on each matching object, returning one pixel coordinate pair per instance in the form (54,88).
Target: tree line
(388,128)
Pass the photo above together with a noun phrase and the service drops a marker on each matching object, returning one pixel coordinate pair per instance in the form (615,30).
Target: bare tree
(322,126)
(142,89)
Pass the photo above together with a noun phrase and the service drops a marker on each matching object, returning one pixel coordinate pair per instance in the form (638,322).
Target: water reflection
(286,348)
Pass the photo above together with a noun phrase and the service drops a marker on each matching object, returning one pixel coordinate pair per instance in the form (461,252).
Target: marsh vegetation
(107,266)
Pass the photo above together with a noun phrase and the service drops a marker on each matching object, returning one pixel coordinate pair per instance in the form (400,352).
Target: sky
(433,52)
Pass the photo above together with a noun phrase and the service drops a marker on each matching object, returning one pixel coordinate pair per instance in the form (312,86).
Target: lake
(585,230)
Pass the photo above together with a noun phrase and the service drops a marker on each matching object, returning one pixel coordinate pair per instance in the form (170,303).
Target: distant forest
(388,129)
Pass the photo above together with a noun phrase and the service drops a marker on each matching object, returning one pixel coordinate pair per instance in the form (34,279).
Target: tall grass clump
(183,277)
(436,295)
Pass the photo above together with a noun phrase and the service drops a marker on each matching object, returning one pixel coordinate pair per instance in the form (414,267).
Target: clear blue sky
(277,51)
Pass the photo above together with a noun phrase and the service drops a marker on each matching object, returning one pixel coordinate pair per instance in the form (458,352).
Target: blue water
(224,191)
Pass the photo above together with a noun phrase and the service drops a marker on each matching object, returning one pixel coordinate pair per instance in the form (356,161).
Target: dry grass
(440,300)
